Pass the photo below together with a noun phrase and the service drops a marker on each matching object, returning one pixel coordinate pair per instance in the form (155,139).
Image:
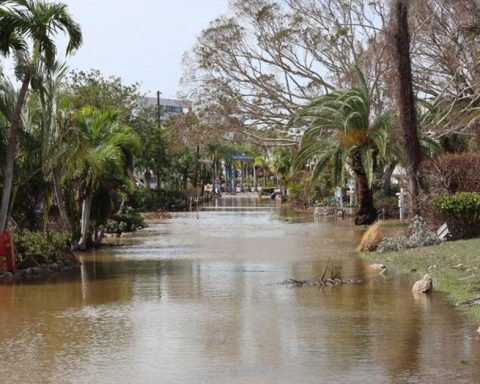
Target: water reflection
(197,299)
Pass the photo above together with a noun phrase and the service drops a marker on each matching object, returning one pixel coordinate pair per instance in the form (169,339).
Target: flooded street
(198,299)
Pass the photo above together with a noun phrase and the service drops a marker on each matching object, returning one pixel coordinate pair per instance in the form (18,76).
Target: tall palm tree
(106,147)
(406,100)
(35,22)
(262,162)
(282,164)
(342,134)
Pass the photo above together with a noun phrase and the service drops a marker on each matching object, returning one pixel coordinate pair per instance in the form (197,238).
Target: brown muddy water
(196,299)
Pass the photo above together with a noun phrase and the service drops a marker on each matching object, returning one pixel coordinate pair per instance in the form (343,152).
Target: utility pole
(159,109)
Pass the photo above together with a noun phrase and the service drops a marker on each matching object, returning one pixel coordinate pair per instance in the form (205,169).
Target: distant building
(170,107)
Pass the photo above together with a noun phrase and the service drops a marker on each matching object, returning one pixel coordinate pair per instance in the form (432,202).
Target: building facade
(170,107)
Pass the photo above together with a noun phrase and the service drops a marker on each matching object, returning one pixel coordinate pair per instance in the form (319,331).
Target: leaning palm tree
(35,22)
(341,134)
(106,146)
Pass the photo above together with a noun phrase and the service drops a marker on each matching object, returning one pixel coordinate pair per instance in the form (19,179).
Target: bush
(371,238)
(462,213)
(453,173)
(420,236)
(44,247)
(148,200)
(124,222)
(308,193)
(387,206)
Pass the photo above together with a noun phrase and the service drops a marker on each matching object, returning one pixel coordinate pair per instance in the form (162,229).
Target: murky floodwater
(196,299)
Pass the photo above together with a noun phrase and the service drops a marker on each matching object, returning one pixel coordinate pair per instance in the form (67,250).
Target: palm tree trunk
(10,154)
(406,100)
(60,198)
(85,220)
(367,213)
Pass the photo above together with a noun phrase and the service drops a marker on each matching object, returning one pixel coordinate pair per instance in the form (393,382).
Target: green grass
(454,267)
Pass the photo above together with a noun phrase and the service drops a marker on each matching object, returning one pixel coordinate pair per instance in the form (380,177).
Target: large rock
(424,285)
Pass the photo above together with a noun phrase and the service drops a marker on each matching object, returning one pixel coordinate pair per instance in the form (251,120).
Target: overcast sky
(140,40)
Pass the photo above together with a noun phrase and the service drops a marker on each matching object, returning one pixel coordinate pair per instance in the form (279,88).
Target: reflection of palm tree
(37,20)
(341,134)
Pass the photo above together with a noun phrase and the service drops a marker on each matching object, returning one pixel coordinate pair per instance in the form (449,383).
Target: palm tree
(282,164)
(34,21)
(406,100)
(341,134)
(261,161)
(105,148)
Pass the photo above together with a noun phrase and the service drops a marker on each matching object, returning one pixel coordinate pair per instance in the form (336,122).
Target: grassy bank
(454,266)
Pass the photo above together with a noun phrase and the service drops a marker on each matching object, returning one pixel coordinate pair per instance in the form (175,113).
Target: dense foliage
(462,213)
(42,246)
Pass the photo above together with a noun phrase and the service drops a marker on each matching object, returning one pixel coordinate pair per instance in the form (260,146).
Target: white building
(170,107)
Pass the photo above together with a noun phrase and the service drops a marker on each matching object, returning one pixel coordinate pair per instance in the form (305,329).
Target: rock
(378,267)
(424,285)
(54,267)
(6,276)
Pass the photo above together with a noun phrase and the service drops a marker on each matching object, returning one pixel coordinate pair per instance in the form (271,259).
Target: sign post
(401,203)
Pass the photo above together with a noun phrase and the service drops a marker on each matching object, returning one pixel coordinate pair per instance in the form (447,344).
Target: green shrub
(124,222)
(308,193)
(461,211)
(149,200)
(44,247)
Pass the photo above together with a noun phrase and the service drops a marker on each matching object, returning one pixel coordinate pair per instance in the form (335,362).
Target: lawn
(454,267)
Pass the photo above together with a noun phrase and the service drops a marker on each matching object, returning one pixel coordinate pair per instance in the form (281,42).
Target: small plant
(461,212)
(125,222)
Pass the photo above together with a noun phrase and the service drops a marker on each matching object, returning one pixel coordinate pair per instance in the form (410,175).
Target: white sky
(140,40)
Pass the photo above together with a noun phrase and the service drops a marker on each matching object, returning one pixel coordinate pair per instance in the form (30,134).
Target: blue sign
(242,157)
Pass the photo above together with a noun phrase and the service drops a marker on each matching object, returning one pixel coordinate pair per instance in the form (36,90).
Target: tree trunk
(147,176)
(60,198)
(195,174)
(406,100)
(85,220)
(367,213)
(255,178)
(10,154)
(387,177)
